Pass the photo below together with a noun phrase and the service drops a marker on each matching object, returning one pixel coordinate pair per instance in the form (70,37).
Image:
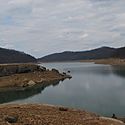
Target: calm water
(96,88)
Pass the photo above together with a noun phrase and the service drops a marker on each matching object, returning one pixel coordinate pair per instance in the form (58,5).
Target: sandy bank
(39,114)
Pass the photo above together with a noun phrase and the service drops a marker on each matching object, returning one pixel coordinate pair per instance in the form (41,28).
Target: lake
(93,87)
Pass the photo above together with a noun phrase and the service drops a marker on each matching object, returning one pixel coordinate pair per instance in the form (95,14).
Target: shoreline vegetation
(23,76)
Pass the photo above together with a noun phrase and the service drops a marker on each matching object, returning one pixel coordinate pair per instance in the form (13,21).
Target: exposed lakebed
(96,88)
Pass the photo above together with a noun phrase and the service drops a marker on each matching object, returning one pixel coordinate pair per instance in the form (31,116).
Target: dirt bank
(39,114)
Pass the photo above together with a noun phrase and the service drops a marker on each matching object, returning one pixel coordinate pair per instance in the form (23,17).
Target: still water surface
(96,88)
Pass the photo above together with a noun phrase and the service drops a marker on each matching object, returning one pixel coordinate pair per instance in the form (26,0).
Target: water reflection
(8,95)
(104,70)
(100,70)
(119,70)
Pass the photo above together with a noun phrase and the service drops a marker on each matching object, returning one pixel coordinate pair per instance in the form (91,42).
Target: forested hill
(13,56)
(120,53)
(99,53)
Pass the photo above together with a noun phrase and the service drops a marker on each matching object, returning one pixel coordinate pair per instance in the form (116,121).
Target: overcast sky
(41,27)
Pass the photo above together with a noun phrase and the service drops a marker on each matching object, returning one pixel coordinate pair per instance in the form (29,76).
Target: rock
(64,73)
(11,119)
(114,116)
(55,70)
(42,68)
(31,83)
(63,109)
(25,85)
(62,79)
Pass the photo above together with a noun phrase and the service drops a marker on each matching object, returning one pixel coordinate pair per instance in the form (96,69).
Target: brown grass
(39,114)
(18,80)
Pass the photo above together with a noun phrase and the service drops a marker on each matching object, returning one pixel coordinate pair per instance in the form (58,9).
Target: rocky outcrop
(55,70)
(6,70)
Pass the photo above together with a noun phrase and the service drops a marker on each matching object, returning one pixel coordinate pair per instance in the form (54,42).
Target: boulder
(42,68)
(55,70)
(11,119)
(30,83)
(63,109)
(64,73)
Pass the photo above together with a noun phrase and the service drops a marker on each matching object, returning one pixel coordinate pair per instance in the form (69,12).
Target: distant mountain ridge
(99,53)
(13,56)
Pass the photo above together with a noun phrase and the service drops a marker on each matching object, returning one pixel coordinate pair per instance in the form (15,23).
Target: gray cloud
(41,27)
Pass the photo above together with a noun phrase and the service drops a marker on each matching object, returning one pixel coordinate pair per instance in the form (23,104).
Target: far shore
(109,61)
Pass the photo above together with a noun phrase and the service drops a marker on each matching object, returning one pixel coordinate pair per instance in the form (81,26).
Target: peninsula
(26,75)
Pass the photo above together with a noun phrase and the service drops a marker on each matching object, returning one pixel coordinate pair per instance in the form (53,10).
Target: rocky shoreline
(27,75)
